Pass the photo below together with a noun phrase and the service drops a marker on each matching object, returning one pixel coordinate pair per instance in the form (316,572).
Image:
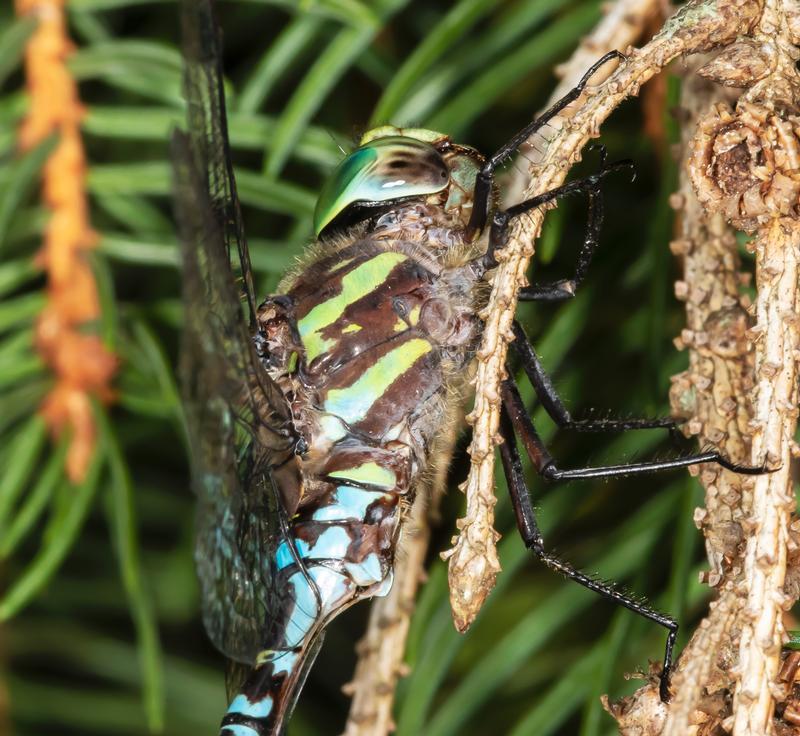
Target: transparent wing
(237,416)
(208,129)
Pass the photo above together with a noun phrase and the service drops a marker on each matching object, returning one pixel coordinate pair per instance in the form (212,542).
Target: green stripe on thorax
(353,403)
(358,283)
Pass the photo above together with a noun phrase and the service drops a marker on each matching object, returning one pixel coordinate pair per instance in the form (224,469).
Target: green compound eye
(381,171)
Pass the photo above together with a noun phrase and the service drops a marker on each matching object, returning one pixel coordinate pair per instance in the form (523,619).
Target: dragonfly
(314,413)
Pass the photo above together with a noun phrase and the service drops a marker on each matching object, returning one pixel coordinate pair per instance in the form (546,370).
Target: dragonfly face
(391,166)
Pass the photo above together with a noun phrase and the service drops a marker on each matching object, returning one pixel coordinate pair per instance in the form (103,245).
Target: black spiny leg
(565,288)
(514,417)
(557,291)
(501,219)
(547,468)
(548,395)
(483,183)
(551,401)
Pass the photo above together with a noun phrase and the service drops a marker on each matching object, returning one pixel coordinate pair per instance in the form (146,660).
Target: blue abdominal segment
(332,544)
(365,573)
(260,709)
(237,729)
(348,504)
(334,552)
(283,662)
(305,610)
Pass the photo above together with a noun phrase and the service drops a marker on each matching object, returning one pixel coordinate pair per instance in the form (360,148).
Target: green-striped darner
(315,412)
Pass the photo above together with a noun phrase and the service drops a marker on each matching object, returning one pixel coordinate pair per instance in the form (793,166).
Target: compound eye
(416,168)
(380,172)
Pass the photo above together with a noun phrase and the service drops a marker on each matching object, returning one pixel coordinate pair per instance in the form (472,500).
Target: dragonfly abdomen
(338,550)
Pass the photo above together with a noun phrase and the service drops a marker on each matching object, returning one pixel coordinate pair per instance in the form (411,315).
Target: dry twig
(745,167)
(712,396)
(622,25)
(700,25)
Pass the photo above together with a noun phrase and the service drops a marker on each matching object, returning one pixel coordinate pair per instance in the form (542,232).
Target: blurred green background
(100,629)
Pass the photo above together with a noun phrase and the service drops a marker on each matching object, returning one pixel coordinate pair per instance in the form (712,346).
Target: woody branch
(700,25)
(745,168)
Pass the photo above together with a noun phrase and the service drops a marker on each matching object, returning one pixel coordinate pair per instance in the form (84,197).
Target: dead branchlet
(712,398)
(741,389)
(700,25)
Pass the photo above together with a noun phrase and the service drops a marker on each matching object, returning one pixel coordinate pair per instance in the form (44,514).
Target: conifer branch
(745,168)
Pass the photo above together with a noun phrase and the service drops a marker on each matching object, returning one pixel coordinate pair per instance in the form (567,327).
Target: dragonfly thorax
(368,331)
(369,344)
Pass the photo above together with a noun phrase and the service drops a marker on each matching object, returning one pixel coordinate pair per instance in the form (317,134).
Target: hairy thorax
(372,339)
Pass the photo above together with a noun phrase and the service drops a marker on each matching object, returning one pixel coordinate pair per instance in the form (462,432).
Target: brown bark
(744,164)
(700,25)
(623,24)
(712,397)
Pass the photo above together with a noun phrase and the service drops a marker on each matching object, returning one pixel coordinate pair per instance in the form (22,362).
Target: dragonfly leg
(485,179)
(532,537)
(500,220)
(554,406)
(566,288)
(549,470)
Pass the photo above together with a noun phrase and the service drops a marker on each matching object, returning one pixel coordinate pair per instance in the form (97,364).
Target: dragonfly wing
(238,418)
(208,128)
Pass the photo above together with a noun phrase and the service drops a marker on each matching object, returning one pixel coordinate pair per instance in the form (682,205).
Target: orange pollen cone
(81,365)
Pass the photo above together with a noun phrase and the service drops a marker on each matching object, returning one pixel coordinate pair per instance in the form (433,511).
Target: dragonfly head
(393,165)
